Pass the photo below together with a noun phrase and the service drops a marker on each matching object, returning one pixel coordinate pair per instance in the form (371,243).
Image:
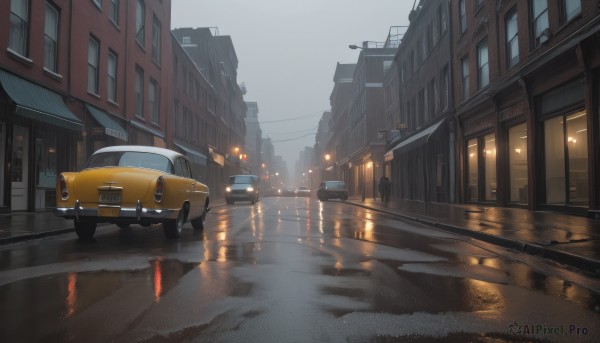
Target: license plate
(109,211)
(109,197)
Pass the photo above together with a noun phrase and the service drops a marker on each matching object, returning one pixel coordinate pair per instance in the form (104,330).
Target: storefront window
(45,153)
(490,167)
(472,165)
(567,176)
(517,152)
(555,160)
(577,149)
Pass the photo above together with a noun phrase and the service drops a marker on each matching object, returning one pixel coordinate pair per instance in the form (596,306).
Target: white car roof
(170,154)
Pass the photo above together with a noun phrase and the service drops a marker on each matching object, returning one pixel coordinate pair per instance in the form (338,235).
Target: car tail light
(64,191)
(159,189)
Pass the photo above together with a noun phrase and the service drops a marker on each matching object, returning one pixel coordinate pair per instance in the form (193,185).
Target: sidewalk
(567,239)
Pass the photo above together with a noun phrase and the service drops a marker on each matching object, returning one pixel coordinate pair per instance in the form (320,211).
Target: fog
(288,50)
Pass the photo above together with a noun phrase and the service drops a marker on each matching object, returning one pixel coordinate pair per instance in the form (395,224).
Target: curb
(32,236)
(588,266)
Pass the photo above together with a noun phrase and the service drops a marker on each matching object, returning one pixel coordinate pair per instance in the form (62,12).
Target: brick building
(76,76)
(422,149)
(526,75)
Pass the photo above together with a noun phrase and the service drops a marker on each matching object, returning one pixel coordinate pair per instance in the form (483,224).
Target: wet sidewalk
(566,239)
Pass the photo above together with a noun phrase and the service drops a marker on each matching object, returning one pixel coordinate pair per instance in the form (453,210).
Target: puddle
(52,299)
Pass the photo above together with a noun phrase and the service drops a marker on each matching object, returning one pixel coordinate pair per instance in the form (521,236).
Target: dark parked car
(332,190)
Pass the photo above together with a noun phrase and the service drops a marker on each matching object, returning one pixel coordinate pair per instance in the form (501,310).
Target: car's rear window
(335,185)
(130,159)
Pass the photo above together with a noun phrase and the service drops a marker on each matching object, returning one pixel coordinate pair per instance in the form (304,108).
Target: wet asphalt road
(286,270)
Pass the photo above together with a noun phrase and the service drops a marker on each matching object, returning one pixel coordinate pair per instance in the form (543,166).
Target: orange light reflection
(157,281)
(71,294)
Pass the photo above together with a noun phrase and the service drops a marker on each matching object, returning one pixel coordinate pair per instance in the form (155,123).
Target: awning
(39,103)
(216,157)
(192,154)
(111,127)
(149,130)
(415,140)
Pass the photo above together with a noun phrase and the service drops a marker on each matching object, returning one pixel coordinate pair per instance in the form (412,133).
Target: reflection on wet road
(284,269)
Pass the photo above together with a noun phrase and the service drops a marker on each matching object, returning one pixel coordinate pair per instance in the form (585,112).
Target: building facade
(340,100)
(527,106)
(88,74)
(422,145)
(367,118)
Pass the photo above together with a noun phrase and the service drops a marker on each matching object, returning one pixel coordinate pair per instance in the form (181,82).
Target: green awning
(192,154)
(415,140)
(39,103)
(111,127)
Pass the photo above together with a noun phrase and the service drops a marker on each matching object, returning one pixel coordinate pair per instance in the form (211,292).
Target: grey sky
(288,51)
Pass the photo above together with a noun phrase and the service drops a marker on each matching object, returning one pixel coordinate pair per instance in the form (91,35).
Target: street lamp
(327,157)
(354,47)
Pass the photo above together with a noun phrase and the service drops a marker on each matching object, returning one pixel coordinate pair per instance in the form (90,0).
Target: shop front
(38,135)
(562,120)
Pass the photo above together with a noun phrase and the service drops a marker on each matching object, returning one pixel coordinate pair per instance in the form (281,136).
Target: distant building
(253,138)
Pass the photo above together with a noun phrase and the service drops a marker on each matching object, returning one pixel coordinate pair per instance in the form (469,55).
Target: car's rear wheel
(173,228)
(198,223)
(85,229)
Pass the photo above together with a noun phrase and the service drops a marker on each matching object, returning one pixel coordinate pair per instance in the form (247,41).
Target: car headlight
(250,189)
(227,189)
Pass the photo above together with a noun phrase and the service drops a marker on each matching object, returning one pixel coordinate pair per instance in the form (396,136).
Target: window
(489,157)
(566,152)
(112,77)
(113,11)
(51,38)
(19,24)
(462,16)
(517,154)
(472,171)
(139,91)
(570,9)
(478,4)
(98,3)
(140,19)
(153,101)
(539,21)
(93,57)
(483,77)
(512,38)
(465,77)
(156,28)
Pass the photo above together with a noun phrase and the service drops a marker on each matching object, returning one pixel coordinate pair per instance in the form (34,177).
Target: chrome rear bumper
(137,212)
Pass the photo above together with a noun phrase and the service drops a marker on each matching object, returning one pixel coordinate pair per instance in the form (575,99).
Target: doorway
(20,163)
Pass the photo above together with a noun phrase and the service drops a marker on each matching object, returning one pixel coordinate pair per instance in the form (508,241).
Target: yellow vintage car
(132,184)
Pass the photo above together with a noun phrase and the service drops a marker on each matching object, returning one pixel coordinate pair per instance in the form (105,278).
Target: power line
(292,139)
(282,133)
(293,118)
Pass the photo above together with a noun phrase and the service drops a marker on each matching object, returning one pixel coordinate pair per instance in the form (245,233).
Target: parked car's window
(178,167)
(186,168)
(130,159)
(182,168)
